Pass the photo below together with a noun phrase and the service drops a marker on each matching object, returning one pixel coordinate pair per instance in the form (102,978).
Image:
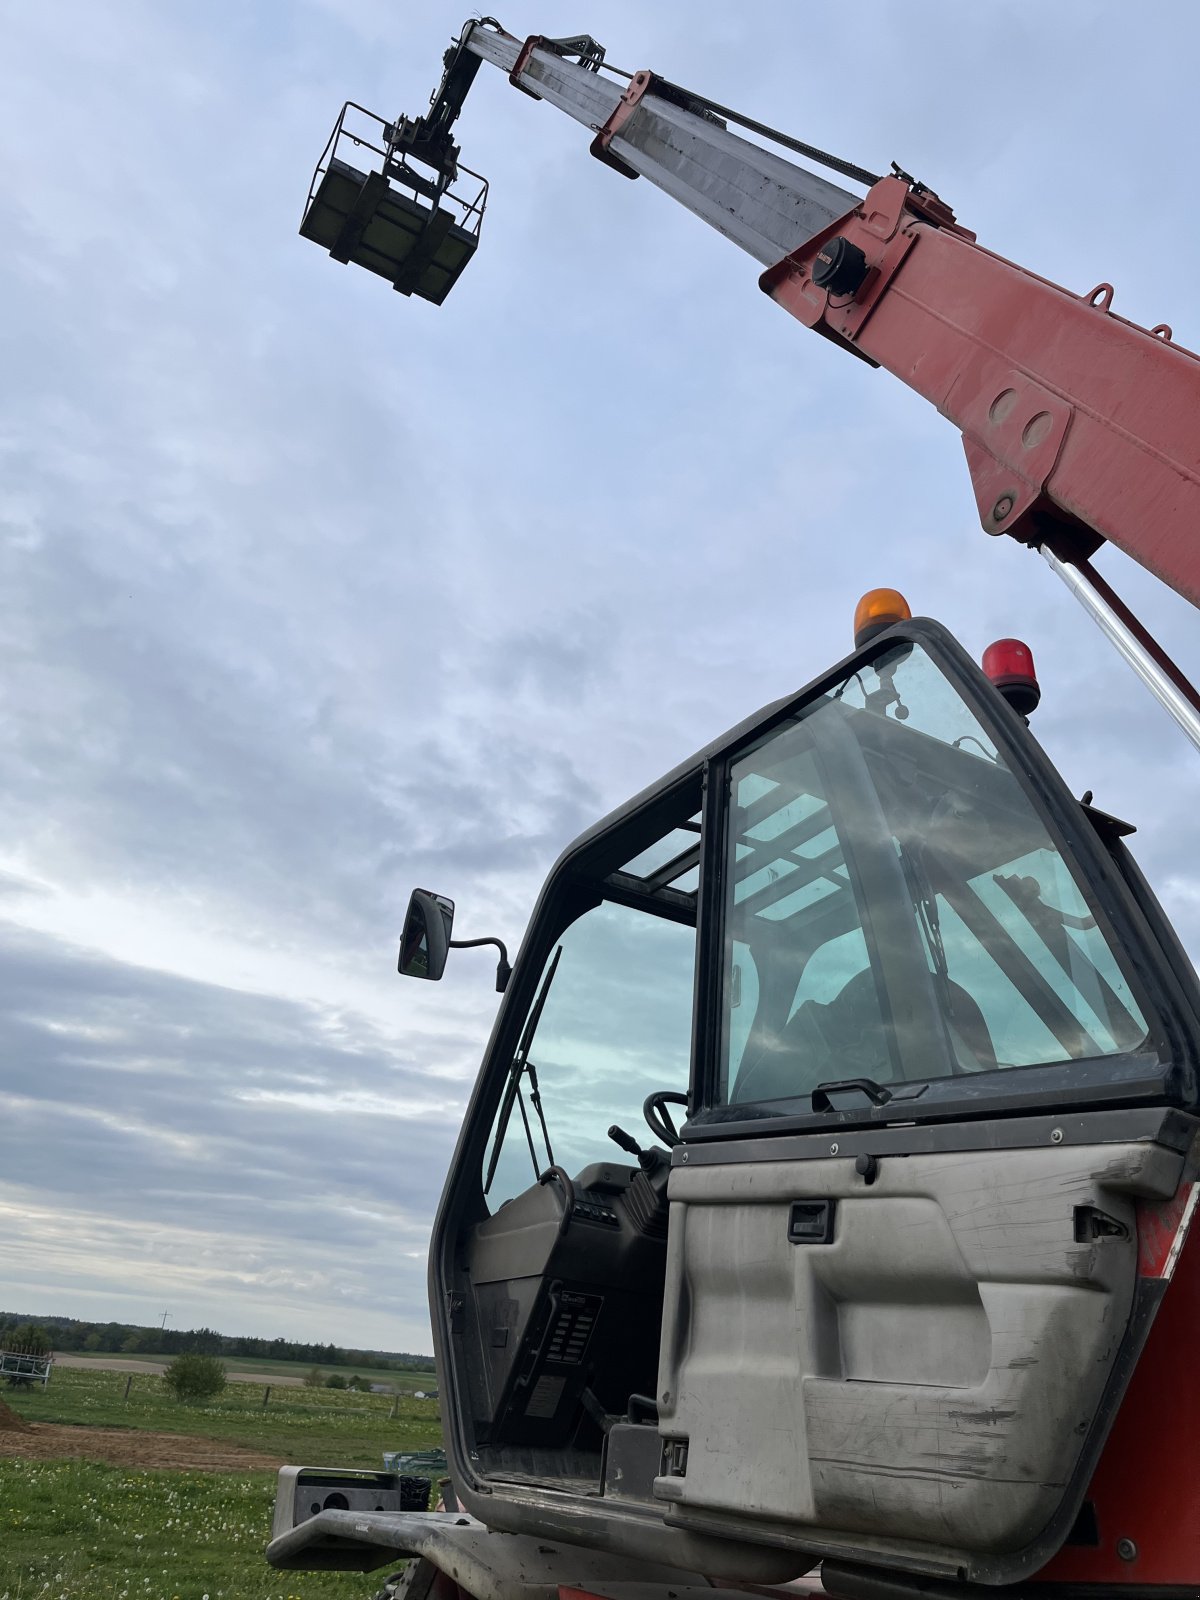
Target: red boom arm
(1078,425)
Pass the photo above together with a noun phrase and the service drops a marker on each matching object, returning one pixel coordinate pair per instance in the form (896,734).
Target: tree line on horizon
(39,1335)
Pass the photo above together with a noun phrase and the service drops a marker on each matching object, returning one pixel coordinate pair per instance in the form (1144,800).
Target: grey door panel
(928,1376)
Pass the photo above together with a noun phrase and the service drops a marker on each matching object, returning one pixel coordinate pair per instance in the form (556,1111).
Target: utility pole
(163,1324)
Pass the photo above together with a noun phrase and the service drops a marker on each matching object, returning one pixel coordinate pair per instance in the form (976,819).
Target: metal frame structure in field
(17,1367)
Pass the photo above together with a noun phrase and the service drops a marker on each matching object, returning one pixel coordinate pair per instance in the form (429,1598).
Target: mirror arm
(503,970)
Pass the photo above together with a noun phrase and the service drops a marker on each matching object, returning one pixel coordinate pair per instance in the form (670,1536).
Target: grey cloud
(12,883)
(158,1102)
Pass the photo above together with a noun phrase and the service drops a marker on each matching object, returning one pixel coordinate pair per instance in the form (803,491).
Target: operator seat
(846,1037)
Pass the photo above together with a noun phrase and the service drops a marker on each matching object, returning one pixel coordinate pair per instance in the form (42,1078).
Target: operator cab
(880,955)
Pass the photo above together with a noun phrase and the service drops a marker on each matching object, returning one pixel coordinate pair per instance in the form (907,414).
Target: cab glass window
(896,909)
(610,1023)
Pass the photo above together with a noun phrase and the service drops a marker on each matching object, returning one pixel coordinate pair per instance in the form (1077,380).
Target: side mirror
(425,942)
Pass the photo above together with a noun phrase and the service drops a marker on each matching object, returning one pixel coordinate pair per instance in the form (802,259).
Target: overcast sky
(312,593)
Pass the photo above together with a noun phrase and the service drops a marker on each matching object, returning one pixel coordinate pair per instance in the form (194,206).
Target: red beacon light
(1009,665)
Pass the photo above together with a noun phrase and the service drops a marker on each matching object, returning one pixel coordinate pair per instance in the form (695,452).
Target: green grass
(405,1379)
(315,1427)
(73,1530)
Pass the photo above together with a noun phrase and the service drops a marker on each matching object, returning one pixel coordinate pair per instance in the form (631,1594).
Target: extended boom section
(766,205)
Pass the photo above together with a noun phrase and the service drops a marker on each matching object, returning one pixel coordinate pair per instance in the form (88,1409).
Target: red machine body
(1078,425)
(1142,1512)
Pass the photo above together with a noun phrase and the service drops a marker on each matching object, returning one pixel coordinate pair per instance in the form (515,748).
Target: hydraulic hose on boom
(1078,425)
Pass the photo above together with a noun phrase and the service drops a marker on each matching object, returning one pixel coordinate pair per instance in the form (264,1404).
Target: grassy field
(75,1530)
(78,1530)
(340,1426)
(405,1380)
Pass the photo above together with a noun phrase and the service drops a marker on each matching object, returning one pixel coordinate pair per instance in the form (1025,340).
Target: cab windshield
(896,909)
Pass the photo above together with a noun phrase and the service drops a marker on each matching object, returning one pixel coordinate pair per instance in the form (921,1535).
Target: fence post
(266,1396)
(128,1383)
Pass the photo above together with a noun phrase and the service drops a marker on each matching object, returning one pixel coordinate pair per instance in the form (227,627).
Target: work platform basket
(417,232)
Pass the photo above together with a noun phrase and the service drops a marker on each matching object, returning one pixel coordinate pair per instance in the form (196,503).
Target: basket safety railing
(470,202)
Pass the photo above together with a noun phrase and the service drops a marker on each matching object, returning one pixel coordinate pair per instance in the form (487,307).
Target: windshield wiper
(925,907)
(512,1089)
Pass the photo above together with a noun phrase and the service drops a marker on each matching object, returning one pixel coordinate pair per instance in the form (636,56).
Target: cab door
(944,1086)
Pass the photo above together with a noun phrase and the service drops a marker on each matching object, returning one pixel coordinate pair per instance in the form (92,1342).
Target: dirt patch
(10,1422)
(131,1447)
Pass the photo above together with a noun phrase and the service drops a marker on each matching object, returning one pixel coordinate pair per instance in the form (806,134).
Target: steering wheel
(659,1119)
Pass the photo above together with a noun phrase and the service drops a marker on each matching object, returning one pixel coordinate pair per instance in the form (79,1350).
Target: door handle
(875,1092)
(811,1222)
